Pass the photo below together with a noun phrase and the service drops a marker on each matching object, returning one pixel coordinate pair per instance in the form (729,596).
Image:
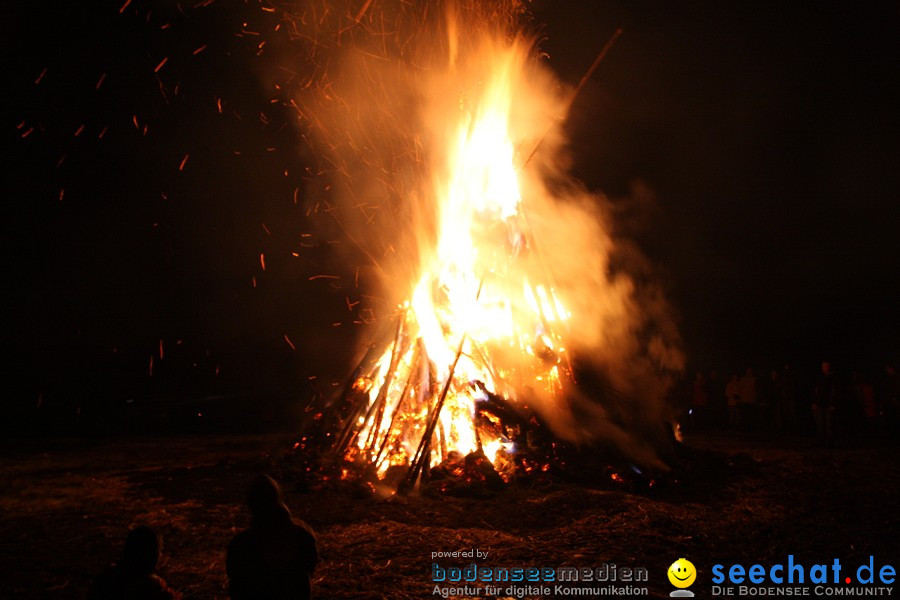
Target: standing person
(275,558)
(718,402)
(890,399)
(699,402)
(779,400)
(765,390)
(864,399)
(133,577)
(733,392)
(747,387)
(825,403)
(789,390)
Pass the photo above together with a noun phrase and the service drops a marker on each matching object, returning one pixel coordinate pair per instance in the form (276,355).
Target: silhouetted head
(264,498)
(141,551)
(826,367)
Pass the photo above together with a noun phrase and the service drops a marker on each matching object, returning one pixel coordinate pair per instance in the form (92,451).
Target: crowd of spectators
(830,403)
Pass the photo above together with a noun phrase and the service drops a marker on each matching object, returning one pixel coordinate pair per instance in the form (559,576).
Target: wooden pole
(578,88)
(413,366)
(423,451)
(350,425)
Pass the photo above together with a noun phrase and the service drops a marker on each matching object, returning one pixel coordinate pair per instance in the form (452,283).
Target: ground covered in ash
(65,506)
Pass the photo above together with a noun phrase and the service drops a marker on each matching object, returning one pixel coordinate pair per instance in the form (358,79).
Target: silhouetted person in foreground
(132,577)
(274,558)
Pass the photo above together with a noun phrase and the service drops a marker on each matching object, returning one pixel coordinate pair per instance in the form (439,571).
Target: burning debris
(445,132)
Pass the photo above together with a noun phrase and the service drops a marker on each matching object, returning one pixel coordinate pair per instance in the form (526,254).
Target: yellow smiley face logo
(682,573)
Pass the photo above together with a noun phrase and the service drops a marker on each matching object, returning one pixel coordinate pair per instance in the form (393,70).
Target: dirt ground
(65,505)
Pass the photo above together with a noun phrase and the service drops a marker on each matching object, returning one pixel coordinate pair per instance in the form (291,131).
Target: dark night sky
(767,133)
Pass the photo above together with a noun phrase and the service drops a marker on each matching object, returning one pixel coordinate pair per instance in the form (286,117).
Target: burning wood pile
(504,275)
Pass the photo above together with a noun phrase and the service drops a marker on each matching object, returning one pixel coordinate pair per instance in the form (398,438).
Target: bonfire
(503,277)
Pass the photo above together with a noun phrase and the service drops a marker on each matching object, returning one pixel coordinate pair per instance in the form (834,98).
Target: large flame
(483,316)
